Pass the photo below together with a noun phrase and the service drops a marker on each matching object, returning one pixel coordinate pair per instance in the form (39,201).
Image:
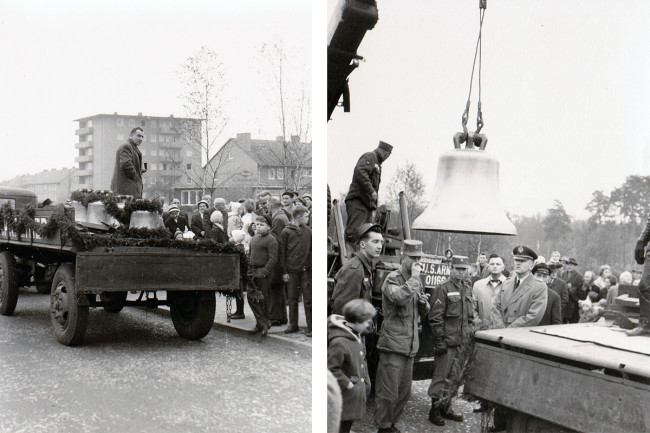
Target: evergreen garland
(85,196)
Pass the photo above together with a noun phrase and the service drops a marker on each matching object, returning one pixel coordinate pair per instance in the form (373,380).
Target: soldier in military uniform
(361,200)
(450,317)
(403,301)
(355,279)
(641,257)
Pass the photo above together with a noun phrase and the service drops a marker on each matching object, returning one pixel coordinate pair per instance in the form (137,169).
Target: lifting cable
(477,54)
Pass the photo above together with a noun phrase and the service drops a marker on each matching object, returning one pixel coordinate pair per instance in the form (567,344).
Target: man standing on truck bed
(402,303)
(452,312)
(361,200)
(127,176)
(640,255)
(356,279)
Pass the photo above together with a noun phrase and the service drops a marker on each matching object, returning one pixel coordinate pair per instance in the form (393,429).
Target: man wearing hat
(450,318)
(522,301)
(361,200)
(175,221)
(558,285)
(403,301)
(356,279)
(553,312)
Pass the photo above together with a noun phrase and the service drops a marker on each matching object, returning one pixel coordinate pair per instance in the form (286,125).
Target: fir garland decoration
(85,196)
(6,215)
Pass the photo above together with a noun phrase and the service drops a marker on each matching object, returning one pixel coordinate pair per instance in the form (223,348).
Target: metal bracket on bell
(471,140)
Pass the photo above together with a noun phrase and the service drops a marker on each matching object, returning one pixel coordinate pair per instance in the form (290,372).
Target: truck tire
(192,313)
(69,318)
(8,283)
(113,302)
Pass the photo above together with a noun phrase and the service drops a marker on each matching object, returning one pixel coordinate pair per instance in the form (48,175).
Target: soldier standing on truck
(356,279)
(640,255)
(361,201)
(450,317)
(127,176)
(403,301)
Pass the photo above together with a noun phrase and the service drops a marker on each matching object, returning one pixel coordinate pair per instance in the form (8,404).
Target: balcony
(87,172)
(83,145)
(84,158)
(84,131)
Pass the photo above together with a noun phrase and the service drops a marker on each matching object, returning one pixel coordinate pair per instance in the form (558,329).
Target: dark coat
(263,255)
(353,281)
(401,309)
(559,286)
(553,313)
(295,249)
(279,221)
(573,281)
(519,307)
(200,222)
(346,359)
(452,310)
(127,175)
(174,226)
(365,180)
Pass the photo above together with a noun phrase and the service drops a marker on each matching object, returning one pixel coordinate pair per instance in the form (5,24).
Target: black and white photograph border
(143,144)
(560,88)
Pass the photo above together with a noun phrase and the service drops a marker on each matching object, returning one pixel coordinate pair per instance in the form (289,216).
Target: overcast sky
(565,94)
(70,59)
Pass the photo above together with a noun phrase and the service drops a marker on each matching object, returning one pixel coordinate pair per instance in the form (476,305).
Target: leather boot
(639,330)
(447,412)
(434,414)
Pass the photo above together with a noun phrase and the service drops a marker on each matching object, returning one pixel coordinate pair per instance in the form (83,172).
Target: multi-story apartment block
(169,151)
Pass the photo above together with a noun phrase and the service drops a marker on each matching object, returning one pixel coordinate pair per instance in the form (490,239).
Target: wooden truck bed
(583,377)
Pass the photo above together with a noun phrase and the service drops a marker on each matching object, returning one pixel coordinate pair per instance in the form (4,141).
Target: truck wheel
(69,318)
(8,283)
(113,302)
(192,313)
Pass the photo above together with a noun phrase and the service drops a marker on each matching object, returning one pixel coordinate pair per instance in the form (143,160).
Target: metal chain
(477,54)
(228,308)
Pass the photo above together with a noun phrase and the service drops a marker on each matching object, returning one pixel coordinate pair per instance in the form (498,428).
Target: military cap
(564,260)
(541,268)
(523,252)
(554,265)
(366,227)
(412,247)
(572,261)
(299,209)
(460,262)
(385,146)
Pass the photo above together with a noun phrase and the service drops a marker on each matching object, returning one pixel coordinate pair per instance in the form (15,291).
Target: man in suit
(127,175)
(486,290)
(361,199)
(558,285)
(522,301)
(573,280)
(356,279)
(553,312)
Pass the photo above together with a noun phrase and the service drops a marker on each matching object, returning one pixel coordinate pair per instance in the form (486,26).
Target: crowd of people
(275,233)
(481,295)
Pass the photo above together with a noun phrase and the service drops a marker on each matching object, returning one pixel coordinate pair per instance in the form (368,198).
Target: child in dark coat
(263,256)
(346,358)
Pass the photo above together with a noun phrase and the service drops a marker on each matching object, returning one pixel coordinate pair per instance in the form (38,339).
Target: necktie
(517,281)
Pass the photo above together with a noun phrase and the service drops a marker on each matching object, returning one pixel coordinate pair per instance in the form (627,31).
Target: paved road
(415,418)
(133,373)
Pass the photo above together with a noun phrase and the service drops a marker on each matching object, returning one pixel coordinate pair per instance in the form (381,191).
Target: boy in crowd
(295,263)
(263,256)
(346,358)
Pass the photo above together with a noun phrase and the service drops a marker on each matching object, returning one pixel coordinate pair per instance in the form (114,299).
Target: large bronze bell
(466,195)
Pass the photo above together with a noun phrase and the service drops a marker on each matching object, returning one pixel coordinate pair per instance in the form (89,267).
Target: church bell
(466,195)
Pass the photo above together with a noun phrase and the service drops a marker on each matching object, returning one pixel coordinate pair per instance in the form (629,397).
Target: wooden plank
(568,396)
(155,269)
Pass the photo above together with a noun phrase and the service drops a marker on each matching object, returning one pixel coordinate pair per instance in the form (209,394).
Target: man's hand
(416,269)
(423,298)
(143,171)
(440,348)
(374,196)
(285,278)
(639,252)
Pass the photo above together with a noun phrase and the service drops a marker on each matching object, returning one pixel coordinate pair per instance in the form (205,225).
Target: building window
(153,166)
(190,197)
(154,152)
(89,137)
(154,138)
(153,124)
(89,123)
(120,121)
(271,173)
(89,166)
(142,123)
(131,122)
(188,166)
(279,174)
(188,180)
(120,137)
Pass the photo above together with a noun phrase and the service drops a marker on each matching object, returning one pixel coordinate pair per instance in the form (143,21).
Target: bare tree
(408,179)
(293,110)
(202,78)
